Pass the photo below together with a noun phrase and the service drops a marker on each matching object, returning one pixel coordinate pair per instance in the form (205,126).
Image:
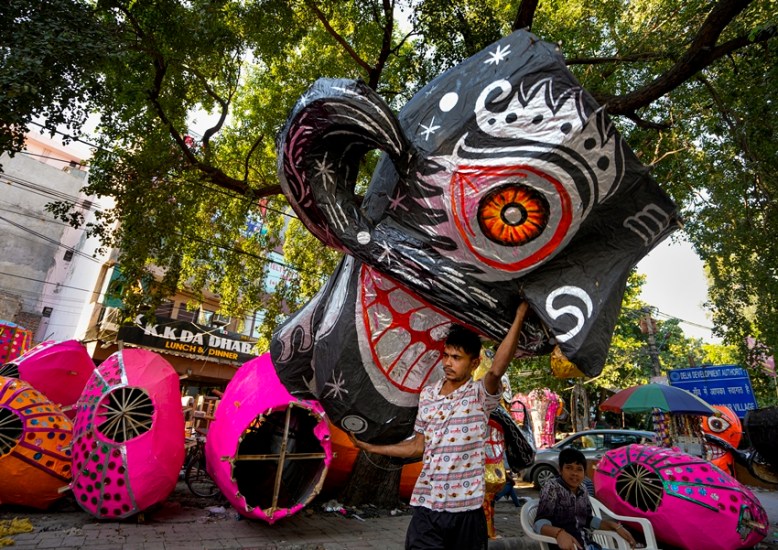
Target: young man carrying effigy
(449,434)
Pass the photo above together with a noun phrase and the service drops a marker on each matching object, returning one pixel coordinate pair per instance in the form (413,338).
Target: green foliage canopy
(691,85)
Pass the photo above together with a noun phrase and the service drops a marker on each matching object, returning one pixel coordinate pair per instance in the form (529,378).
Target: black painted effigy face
(502,177)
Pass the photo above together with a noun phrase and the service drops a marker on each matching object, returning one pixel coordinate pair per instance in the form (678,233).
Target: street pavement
(186,523)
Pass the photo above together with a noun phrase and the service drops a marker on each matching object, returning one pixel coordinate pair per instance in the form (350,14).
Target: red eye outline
(467,178)
(513,214)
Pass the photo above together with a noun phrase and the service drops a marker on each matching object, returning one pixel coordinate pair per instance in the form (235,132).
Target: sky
(677,287)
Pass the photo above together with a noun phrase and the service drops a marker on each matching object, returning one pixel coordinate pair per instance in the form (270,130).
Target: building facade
(54,281)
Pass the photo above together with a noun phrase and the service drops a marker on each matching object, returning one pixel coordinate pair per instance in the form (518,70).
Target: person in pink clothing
(449,435)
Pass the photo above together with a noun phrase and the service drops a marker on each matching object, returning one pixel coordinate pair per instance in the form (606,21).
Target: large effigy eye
(511,218)
(718,424)
(640,486)
(513,214)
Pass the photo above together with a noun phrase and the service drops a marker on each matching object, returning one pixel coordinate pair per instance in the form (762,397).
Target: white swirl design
(580,315)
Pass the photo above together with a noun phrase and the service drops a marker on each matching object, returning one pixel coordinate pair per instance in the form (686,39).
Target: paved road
(185,523)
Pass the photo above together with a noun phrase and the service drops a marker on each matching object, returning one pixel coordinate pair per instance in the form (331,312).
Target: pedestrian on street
(449,434)
(509,490)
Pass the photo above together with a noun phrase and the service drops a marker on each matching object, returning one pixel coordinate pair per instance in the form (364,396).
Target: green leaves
(49,52)
(691,85)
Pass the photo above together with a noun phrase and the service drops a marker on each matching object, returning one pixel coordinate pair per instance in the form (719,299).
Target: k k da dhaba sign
(186,338)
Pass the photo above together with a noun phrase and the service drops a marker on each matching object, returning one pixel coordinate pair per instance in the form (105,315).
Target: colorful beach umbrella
(690,502)
(128,435)
(34,446)
(650,397)
(59,370)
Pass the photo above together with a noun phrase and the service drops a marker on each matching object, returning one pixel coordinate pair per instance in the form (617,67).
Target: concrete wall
(30,247)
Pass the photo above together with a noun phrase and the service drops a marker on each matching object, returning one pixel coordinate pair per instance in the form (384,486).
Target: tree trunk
(374,480)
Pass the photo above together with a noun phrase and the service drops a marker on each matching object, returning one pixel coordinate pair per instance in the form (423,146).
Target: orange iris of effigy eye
(513,214)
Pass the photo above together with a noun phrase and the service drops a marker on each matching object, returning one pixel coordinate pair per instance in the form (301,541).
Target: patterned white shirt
(455,429)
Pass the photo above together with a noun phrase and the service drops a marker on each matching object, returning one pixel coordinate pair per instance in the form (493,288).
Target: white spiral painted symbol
(576,312)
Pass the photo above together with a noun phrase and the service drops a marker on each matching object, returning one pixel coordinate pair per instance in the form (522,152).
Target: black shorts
(430,530)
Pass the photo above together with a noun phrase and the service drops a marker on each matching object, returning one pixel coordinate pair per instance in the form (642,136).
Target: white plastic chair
(602,511)
(607,539)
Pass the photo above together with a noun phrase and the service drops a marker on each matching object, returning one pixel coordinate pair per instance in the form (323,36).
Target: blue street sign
(727,385)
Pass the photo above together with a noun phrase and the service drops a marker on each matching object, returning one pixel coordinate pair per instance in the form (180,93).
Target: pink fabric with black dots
(690,502)
(113,479)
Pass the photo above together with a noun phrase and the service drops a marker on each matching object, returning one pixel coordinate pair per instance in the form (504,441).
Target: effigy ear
(326,136)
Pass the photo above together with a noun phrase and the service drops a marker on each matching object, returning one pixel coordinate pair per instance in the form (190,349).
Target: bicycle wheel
(197,478)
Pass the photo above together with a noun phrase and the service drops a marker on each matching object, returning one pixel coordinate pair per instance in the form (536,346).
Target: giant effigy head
(501,178)
(725,426)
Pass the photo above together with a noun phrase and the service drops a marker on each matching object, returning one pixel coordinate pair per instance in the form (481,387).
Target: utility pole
(648,327)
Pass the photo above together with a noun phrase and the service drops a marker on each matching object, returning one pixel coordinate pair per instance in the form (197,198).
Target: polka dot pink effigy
(128,438)
(35,442)
(690,502)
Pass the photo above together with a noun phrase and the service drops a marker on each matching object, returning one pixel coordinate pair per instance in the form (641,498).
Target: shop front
(205,357)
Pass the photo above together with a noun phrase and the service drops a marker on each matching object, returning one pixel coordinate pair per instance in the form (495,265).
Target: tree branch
(224,105)
(338,38)
(525,15)
(386,45)
(701,52)
(213,174)
(254,147)
(739,135)
(630,58)
(643,123)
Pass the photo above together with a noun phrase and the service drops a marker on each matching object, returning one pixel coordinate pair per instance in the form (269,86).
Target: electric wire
(48,282)
(49,240)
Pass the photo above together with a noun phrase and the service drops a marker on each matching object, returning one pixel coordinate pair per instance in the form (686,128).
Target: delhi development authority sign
(727,385)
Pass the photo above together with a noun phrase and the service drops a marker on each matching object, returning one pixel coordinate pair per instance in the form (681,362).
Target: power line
(49,240)
(48,192)
(51,193)
(636,313)
(47,282)
(71,138)
(692,323)
(88,204)
(30,215)
(49,157)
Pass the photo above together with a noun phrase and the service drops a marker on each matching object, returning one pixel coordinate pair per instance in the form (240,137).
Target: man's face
(458,366)
(573,475)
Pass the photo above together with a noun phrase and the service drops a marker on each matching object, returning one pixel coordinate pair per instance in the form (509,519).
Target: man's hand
(624,533)
(409,448)
(505,351)
(566,541)
(356,442)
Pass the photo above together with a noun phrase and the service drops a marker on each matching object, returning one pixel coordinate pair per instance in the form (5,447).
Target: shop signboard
(727,385)
(189,339)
